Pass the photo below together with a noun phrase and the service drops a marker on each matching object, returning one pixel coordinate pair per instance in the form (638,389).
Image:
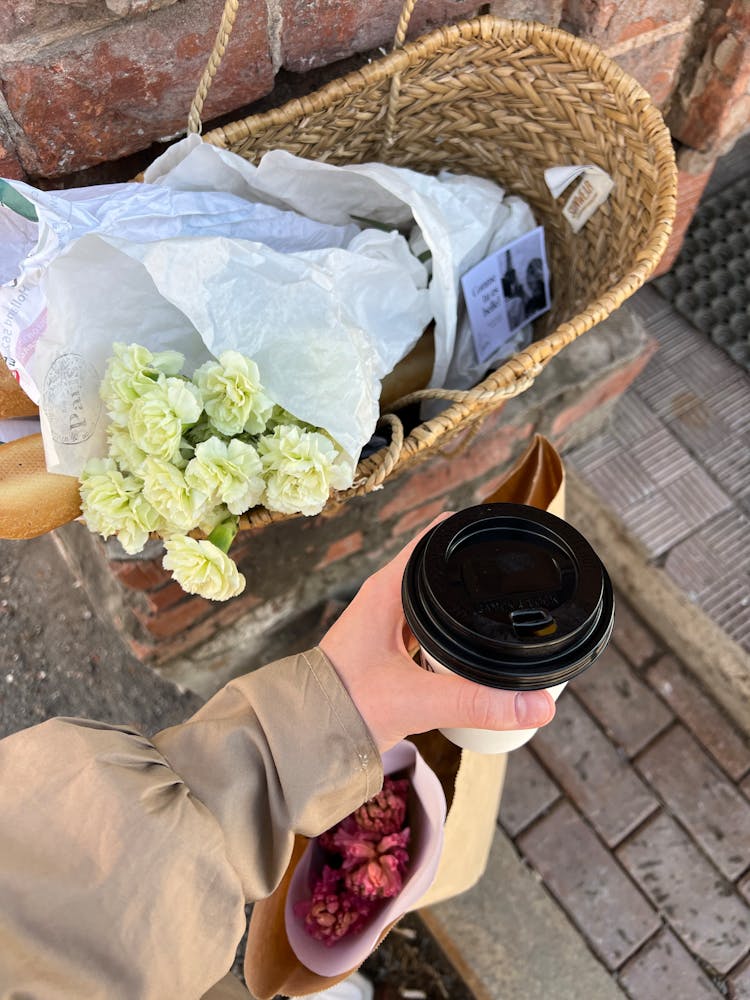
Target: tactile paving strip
(710,281)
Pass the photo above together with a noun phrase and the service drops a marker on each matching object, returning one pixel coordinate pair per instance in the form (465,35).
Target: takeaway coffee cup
(511,597)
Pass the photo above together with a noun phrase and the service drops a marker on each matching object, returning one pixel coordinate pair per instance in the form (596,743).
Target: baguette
(32,500)
(13,400)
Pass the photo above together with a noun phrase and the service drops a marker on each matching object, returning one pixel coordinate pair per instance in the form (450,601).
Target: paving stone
(714,813)
(701,716)
(662,456)
(626,708)
(657,523)
(743,887)
(707,370)
(633,422)
(727,602)
(711,556)
(637,644)
(620,481)
(590,885)
(592,773)
(591,453)
(675,336)
(665,970)
(661,388)
(739,983)
(700,426)
(701,906)
(727,537)
(745,786)
(509,938)
(732,400)
(528,791)
(652,307)
(729,466)
(693,566)
(696,496)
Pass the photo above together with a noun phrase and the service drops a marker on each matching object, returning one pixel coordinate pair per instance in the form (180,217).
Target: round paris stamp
(70,399)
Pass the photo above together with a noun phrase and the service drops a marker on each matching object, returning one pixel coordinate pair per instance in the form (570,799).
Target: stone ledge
(717,662)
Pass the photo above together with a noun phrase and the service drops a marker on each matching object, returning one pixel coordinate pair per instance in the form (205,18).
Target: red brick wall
(88,81)
(84,82)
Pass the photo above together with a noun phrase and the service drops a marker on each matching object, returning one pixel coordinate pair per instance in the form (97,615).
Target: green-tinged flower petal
(124,450)
(157,418)
(165,488)
(298,466)
(131,371)
(201,568)
(232,394)
(113,504)
(228,473)
(281,416)
(202,431)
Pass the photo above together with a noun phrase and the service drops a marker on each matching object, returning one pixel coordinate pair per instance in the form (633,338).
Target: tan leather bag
(472,784)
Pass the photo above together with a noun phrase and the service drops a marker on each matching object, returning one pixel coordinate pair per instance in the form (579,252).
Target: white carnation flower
(131,371)
(200,567)
(232,394)
(300,467)
(165,488)
(124,450)
(157,418)
(228,472)
(113,504)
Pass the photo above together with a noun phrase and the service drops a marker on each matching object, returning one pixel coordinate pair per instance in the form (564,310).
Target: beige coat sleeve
(125,863)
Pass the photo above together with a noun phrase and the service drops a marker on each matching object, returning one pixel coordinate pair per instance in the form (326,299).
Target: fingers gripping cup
(508,596)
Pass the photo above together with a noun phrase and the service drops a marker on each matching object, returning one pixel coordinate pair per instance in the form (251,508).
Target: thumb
(449,701)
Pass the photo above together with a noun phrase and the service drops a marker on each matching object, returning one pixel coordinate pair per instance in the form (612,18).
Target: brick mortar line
(649,662)
(661,806)
(9,123)
(274,30)
(557,805)
(674,721)
(620,751)
(647,37)
(677,719)
(24,50)
(715,977)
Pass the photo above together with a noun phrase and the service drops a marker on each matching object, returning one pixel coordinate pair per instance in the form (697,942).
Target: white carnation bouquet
(196,453)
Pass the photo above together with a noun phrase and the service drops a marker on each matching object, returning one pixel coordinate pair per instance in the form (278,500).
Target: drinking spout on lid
(532,622)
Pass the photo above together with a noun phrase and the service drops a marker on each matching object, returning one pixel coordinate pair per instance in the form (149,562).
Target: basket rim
(488,28)
(587,55)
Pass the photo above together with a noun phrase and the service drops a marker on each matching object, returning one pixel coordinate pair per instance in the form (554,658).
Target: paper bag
(472,784)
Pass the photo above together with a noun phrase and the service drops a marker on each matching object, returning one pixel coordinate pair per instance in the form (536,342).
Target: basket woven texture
(503,100)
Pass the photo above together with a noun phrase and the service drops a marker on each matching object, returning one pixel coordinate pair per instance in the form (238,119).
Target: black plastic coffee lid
(508,596)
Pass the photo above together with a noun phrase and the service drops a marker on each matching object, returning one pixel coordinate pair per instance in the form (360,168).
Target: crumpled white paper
(457,215)
(212,253)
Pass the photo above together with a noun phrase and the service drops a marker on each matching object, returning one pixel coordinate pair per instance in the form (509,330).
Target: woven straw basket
(503,100)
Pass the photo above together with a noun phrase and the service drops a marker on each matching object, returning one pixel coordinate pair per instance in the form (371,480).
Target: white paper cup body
(484,740)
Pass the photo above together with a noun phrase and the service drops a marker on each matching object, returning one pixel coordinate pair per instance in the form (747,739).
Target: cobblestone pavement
(634,808)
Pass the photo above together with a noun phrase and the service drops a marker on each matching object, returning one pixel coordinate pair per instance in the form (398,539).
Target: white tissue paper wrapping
(212,253)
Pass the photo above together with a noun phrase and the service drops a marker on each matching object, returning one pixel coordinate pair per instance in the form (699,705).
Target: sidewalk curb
(717,662)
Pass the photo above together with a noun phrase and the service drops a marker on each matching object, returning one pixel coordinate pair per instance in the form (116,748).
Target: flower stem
(223,534)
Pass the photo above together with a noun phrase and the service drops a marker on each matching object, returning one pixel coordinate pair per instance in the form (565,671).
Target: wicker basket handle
(220,45)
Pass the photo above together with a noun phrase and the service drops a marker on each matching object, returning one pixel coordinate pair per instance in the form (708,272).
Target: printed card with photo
(506,291)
